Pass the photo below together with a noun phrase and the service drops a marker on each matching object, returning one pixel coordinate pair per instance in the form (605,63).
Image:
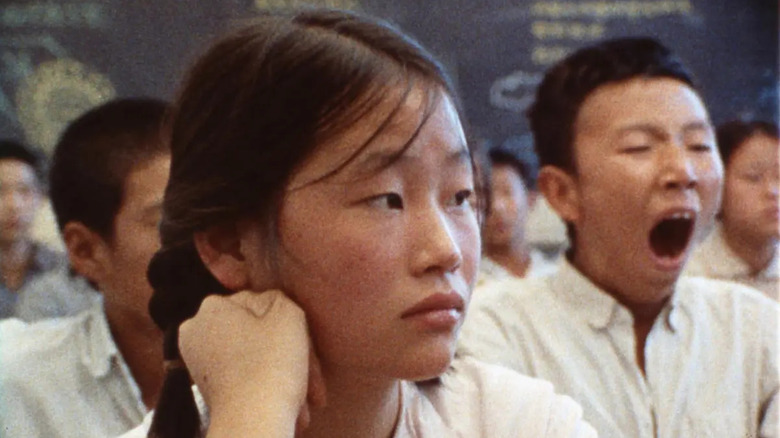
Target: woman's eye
(392,201)
(463,197)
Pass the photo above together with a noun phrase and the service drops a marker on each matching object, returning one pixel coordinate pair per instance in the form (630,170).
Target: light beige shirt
(490,271)
(65,378)
(476,400)
(711,358)
(714,258)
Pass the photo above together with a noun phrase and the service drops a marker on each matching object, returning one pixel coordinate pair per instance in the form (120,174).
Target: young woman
(743,246)
(321,154)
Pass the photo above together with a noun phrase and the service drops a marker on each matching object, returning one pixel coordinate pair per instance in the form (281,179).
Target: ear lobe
(88,252)
(220,249)
(560,190)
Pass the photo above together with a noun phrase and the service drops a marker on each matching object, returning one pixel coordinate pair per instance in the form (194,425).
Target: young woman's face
(383,259)
(750,194)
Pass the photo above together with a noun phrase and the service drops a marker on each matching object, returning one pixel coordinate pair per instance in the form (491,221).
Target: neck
(140,343)
(15,259)
(644,312)
(356,408)
(757,253)
(514,257)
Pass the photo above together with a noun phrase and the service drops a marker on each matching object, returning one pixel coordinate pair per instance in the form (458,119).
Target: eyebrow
(698,125)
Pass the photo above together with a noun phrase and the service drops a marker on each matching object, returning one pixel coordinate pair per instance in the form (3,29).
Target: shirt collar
(99,351)
(598,307)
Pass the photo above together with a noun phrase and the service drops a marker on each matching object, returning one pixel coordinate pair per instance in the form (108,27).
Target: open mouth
(670,236)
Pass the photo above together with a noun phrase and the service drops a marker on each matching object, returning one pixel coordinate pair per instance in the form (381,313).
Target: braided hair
(251,110)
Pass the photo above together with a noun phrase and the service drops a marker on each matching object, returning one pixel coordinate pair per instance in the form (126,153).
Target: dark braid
(250,111)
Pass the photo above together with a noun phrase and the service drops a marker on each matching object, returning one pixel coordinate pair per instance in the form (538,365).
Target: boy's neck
(15,258)
(644,313)
(140,344)
(515,258)
(756,253)
(356,408)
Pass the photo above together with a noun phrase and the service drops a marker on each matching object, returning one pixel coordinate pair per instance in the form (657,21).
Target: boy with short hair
(629,162)
(21,191)
(512,191)
(98,373)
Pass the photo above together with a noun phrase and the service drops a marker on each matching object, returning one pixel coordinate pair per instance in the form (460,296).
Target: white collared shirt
(474,400)
(65,378)
(490,271)
(713,258)
(710,359)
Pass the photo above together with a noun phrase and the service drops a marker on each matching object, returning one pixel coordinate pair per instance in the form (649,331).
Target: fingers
(316,395)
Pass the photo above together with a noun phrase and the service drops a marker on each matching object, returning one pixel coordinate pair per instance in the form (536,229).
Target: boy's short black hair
(16,150)
(732,134)
(96,153)
(567,84)
(500,155)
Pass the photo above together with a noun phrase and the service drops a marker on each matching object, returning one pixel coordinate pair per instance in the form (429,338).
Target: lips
(672,233)
(437,302)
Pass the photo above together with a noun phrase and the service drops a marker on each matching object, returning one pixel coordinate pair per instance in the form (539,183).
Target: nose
(437,249)
(678,169)
(773,188)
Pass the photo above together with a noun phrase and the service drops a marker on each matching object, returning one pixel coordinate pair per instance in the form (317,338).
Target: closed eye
(636,149)
(700,147)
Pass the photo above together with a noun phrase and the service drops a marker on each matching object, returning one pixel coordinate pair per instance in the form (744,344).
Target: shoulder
(510,291)
(27,349)
(501,402)
(728,302)
(715,292)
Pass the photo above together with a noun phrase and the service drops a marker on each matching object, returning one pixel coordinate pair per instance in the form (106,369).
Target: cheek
(470,244)
(739,198)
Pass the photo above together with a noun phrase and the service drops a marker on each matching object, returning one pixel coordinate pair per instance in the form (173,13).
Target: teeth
(682,215)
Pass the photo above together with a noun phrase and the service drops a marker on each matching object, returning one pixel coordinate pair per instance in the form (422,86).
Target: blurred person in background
(97,373)
(743,245)
(512,190)
(22,259)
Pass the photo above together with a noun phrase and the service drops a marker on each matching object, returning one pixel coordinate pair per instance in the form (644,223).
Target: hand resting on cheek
(253,349)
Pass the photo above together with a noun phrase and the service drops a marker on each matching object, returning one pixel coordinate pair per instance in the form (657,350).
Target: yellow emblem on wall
(55,94)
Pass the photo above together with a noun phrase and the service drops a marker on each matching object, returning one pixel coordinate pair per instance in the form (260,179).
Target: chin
(428,365)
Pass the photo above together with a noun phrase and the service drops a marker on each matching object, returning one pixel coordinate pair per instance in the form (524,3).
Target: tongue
(670,237)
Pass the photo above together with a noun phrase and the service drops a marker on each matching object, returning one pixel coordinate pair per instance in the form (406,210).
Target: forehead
(146,181)
(757,150)
(16,171)
(663,103)
(401,127)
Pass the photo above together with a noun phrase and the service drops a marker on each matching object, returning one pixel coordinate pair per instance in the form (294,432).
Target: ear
(560,190)
(88,253)
(220,248)
(532,196)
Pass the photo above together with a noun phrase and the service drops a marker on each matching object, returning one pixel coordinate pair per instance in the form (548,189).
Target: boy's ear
(221,251)
(88,252)
(560,190)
